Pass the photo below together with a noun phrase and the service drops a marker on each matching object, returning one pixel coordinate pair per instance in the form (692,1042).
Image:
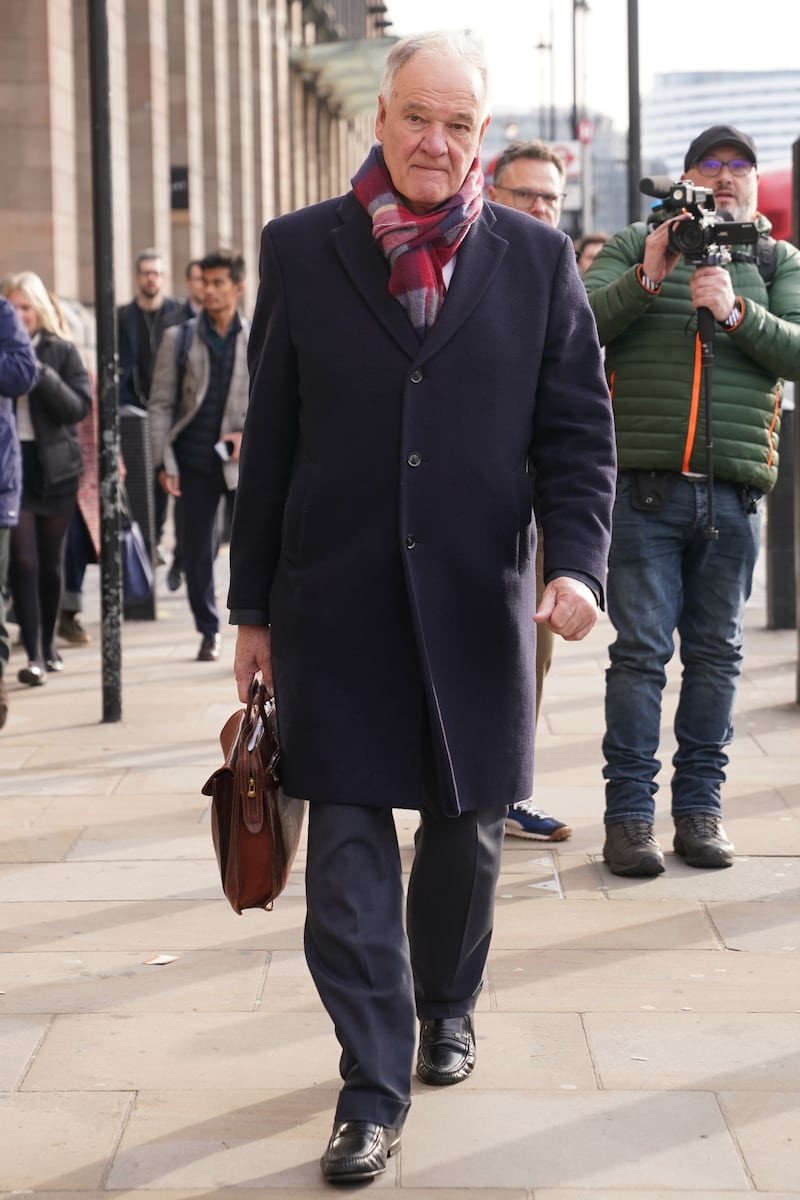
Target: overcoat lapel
(367,268)
(479,257)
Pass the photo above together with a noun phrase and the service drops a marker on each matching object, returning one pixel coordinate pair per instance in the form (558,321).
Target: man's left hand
(711,288)
(569,607)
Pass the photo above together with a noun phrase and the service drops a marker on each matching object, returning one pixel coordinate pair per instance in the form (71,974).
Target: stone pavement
(636,1039)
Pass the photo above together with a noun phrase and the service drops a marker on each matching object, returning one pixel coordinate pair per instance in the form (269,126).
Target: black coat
(383,518)
(61,398)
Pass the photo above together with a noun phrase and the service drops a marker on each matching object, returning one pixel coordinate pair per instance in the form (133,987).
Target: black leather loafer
(209,648)
(358,1151)
(446,1050)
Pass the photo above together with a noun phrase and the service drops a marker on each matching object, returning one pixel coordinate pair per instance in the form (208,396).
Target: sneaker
(701,840)
(71,630)
(3,702)
(525,820)
(631,849)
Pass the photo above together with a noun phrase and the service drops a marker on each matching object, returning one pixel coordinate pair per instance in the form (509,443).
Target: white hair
(460,44)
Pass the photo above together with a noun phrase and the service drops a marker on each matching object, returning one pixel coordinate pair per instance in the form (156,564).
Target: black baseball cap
(720,135)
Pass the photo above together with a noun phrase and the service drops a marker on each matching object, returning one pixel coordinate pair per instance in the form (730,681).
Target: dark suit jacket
(383,518)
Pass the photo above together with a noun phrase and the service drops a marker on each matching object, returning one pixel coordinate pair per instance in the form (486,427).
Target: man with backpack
(198,400)
(686,526)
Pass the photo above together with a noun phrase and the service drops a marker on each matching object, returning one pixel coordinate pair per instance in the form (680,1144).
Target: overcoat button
(410,542)
(416,375)
(414,459)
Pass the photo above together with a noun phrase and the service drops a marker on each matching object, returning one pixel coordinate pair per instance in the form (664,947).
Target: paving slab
(577,1139)
(140,880)
(766,1126)
(714,1052)
(20,1037)
(189,1051)
(628,980)
(585,924)
(119,925)
(201,981)
(771,927)
(62,1141)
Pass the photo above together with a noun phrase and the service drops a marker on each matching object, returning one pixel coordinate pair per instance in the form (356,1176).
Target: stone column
(186,136)
(243,167)
(38,208)
(216,123)
(148,128)
(264,112)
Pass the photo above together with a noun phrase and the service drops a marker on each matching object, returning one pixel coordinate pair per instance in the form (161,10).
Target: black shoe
(56,663)
(209,648)
(358,1150)
(446,1050)
(631,849)
(3,702)
(174,576)
(701,840)
(33,675)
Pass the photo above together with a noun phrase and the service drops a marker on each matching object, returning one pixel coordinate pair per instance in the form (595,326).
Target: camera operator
(669,569)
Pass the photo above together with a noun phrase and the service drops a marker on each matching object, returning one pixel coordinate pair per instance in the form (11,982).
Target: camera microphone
(659,186)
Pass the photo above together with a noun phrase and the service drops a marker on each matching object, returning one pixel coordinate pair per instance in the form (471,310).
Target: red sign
(585,131)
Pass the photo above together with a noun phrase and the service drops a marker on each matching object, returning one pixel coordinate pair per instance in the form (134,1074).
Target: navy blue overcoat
(383,519)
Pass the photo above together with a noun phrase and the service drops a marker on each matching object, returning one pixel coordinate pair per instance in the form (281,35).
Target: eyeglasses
(709,167)
(524,198)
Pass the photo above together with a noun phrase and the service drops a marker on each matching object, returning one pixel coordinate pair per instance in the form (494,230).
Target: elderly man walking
(412,347)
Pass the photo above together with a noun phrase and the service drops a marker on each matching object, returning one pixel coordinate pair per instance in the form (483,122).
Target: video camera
(705,240)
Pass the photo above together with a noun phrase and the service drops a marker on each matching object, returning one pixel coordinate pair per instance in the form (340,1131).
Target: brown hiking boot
(701,840)
(631,849)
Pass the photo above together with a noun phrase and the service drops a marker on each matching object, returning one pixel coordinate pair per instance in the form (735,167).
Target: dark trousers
(374,978)
(200,496)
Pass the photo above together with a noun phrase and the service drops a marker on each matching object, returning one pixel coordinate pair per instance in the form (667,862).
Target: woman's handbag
(137,569)
(254,827)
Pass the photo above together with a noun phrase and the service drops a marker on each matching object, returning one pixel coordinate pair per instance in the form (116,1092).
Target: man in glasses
(667,570)
(530,176)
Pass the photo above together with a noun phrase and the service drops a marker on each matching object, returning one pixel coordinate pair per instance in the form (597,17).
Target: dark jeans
(664,575)
(199,540)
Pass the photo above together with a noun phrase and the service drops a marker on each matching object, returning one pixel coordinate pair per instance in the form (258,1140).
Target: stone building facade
(223,114)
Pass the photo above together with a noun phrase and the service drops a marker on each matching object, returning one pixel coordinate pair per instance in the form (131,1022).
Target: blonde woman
(51,466)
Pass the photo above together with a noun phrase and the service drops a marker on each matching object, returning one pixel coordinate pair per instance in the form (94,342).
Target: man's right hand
(659,261)
(253,654)
(171,484)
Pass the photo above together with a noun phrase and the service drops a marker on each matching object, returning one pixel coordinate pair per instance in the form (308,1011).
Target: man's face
(431,128)
(738,194)
(524,176)
(220,293)
(150,277)
(195,286)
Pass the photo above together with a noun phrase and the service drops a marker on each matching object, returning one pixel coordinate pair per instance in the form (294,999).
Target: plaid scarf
(416,246)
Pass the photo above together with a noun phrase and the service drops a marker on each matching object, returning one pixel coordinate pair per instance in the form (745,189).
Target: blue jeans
(665,575)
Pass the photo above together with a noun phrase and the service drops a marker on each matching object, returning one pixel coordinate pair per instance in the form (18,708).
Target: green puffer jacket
(653,363)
